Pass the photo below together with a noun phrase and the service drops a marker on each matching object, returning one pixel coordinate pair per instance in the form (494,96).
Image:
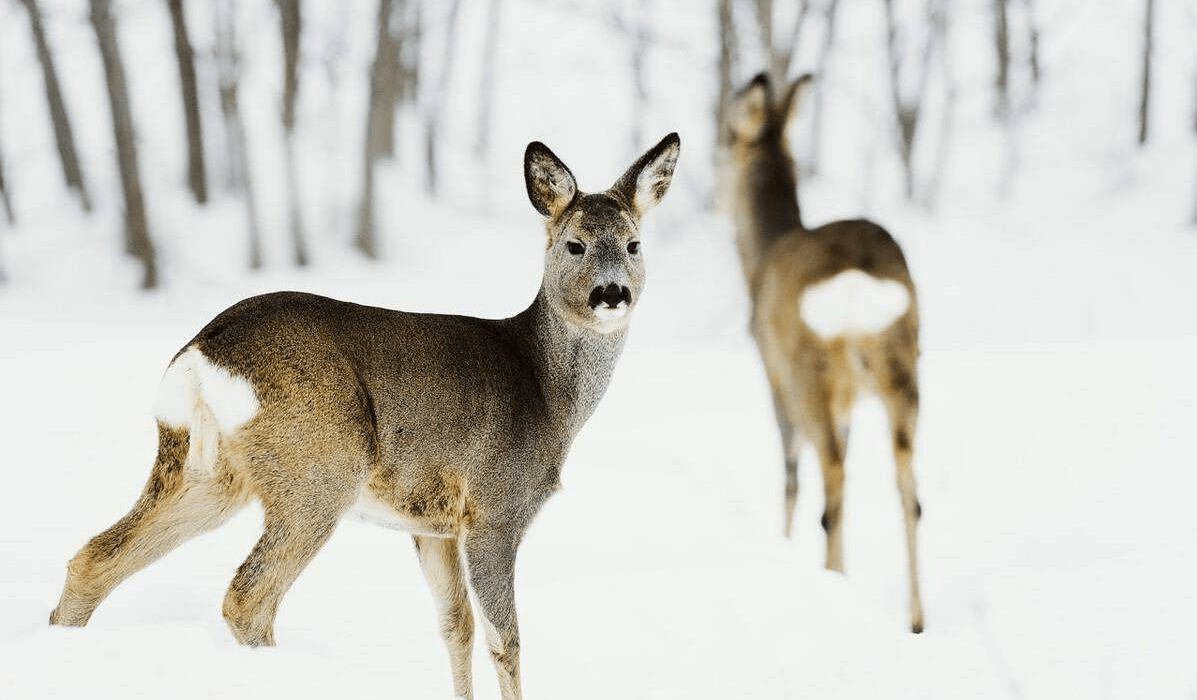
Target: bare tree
(635,27)
(411,31)
(384,87)
(1001,41)
(1033,43)
(5,198)
(238,178)
(779,56)
(908,109)
(1145,93)
(486,84)
(291,25)
(385,76)
(64,136)
(137,235)
(728,50)
(821,87)
(197,178)
(434,113)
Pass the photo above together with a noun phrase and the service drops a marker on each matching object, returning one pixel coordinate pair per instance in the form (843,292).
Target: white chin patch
(609,318)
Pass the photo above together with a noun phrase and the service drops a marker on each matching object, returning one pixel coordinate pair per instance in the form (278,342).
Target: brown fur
(816,381)
(459,425)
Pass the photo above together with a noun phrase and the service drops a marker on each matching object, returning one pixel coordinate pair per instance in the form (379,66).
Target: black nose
(610,295)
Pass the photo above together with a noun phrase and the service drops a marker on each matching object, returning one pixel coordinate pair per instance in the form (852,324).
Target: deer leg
(790,445)
(174,506)
(831,459)
(296,528)
(490,558)
(441,562)
(902,404)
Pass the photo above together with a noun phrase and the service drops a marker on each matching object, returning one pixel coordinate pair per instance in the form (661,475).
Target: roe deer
(451,428)
(834,313)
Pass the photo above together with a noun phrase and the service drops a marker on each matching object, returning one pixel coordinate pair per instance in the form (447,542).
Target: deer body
(454,429)
(834,315)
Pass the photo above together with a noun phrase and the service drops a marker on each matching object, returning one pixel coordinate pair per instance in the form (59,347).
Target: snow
(1054,452)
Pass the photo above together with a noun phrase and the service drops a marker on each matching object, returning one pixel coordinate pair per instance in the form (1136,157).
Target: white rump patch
(206,399)
(853,303)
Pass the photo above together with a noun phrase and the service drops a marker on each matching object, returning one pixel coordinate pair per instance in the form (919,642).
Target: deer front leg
(441,563)
(490,558)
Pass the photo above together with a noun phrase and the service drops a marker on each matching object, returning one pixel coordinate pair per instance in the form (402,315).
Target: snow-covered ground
(1055,454)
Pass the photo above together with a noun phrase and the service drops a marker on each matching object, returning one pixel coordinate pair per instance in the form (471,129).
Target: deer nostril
(611,295)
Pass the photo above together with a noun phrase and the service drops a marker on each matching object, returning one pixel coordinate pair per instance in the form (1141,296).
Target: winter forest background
(1037,159)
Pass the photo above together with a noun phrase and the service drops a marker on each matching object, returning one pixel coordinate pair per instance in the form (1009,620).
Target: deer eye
(575,248)
(634,247)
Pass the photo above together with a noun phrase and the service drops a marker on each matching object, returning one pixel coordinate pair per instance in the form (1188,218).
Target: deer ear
(645,183)
(749,108)
(794,97)
(551,186)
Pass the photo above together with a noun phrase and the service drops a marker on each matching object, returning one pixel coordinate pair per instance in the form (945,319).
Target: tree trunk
(727,57)
(816,125)
(1001,42)
(435,113)
(238,176)
(291,25)
(1033,40)
(63,134)
(908,110)
(637,31)
(137,235)
(5,198)
(384,76)
(486,85)
(1145,94)
(197,178)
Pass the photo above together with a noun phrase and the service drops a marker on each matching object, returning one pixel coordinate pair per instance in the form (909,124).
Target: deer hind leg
(901,398)
(175,505)
(827,436)
(441,562)
(297,524)
(490,558)
(790,444)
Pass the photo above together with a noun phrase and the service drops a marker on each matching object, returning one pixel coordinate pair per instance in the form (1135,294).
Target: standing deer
(451,428)
(834,313)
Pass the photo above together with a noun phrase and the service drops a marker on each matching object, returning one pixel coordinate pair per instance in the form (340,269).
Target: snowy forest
(1036,159)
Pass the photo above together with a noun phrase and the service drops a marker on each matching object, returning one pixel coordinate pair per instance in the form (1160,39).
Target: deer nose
(610,295)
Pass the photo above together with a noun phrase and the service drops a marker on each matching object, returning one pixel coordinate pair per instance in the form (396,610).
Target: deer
(834,313)
(451,428)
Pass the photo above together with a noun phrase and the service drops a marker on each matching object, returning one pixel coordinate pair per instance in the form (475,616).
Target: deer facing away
(451,428)
(834,313)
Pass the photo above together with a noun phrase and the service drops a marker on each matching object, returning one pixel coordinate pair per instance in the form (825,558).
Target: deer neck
(572,365)
(765,205)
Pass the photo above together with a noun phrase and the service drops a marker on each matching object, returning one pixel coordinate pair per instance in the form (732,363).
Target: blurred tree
(380,121)
(290,21)
(411,30)
(237,176)
(1033,43)
(385,78)
(486,83)
(137,235)
(1001,41)
(635,27)
(1145,92)
(821,86)
(4,196)
(197,178)
(434,111)
(728,50)
(63,134)
(907,110)
(778,56)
